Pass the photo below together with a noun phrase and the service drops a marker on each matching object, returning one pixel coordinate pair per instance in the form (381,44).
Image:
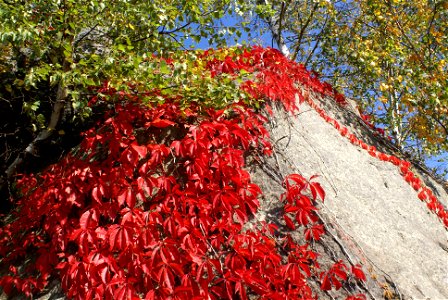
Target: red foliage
(334,277)
(358,273)
(153,202)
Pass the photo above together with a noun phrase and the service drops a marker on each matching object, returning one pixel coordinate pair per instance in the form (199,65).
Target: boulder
(373,214)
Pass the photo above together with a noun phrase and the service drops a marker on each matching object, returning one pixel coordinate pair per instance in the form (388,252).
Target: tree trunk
(33,147)
(274,23)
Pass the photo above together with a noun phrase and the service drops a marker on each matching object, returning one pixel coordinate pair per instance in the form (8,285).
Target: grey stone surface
(369,203)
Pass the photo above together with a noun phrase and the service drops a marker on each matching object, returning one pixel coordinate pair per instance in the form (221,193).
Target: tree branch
(163,32)
(445,128)
(32,148)
(319,38)
(274,24)
(303,29)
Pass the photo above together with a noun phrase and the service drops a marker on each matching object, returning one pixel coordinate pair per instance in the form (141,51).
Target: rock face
(373,212)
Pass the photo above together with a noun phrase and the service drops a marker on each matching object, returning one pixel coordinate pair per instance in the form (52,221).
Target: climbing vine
(424,193)
(154,203)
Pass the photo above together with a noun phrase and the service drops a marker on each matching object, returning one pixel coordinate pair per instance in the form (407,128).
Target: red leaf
(229,290)
(358,273)
(141,150)
(405,164)
(337,284)
(161,123)
(145,187)
(314,232)
(239,288)
(383,157)
(338,270)
(298,179)
(325,285)
(316,189)
(422,196)
(168,278)
(241,215)
(289,222)
(125,292)
(98,193)
(127,196)
(120,237)
(394,160)
(151,295)
(89,219)
(176,146)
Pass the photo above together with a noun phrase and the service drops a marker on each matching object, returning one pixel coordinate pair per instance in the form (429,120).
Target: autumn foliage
(155,202)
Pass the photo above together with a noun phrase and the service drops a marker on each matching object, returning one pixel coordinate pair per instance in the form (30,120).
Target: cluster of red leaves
(153,203)
(367,119)
(276,77)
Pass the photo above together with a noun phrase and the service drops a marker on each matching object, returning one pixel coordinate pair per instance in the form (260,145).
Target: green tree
(52,52)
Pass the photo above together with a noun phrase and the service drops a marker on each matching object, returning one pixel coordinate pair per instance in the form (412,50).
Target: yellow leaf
(383,86)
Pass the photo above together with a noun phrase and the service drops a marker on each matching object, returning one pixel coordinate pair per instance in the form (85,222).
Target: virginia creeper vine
(153,202)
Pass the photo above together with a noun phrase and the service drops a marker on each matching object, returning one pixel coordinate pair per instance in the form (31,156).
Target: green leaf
(164,68)
(121,48)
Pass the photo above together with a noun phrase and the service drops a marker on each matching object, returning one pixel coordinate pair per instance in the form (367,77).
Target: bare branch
(304,26)
(170,32)
(319,38)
